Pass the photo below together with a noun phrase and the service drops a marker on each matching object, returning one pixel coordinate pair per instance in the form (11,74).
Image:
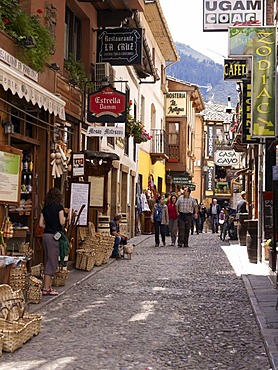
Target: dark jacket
(218,209)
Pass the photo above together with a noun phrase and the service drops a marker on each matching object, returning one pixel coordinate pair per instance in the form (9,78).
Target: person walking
(160,218)
(242,204)
(52,219)
(202,217)
(173,218)
(187,208)
(119,237)
(214,215)
(195,221)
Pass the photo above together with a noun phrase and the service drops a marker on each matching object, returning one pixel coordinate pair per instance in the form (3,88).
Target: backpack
(158,213)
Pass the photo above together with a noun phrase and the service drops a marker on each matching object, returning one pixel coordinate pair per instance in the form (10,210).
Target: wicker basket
(34,294)
(37,319)
(37,270)
(1,343)
(13,335)
(60,278)
(85,260)
(18,277)
(12,302)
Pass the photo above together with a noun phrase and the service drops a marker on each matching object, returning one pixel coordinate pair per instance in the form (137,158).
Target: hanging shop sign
(220,15)
(176,104)
(107,105)
(260,43)
(120,46)
(10,174)
(209,184)
(246,114)
(235,69)
(210,141)
(226,158)
(182,179)
(101,131)
(268,213)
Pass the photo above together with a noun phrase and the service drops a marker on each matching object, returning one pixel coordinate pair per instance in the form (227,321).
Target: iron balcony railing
(159,142)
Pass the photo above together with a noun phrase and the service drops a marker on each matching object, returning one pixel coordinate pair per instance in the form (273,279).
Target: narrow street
(167,308)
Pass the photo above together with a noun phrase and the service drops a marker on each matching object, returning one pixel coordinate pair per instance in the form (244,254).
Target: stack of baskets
(18,277)
(34,292)
(96,249)
(60,277)
(16,327)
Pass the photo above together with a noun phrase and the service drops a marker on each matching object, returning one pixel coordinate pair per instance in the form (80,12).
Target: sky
(185,22)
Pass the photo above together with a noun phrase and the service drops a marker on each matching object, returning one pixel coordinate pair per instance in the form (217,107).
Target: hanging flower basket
(136,129)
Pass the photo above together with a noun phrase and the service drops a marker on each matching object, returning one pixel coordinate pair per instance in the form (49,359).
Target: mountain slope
(198,69)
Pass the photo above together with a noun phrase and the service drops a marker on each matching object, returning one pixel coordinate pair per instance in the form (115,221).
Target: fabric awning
(31,91)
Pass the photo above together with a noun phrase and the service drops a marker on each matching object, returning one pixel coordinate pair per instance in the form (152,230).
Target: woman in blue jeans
(160,219)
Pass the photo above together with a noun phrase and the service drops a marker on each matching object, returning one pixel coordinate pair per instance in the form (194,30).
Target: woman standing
(52,220)
(173,218)
(160,219)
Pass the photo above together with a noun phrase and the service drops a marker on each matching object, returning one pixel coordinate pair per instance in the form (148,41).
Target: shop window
(72,36)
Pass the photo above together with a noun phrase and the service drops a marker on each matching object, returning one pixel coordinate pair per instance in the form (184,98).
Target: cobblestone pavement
(167,308)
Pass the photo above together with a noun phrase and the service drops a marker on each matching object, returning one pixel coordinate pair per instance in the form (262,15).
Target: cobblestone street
(167,308)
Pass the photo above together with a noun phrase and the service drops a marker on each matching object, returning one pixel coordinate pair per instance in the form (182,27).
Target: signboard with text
(10,174)
(246,114)
(219,15)
(260,43)
(226,158)
(235,69)
(176,104)
(120,46)
(107,105)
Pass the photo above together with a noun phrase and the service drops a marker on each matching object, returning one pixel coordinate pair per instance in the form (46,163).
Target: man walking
(214,215)
(187,209)
(242,204)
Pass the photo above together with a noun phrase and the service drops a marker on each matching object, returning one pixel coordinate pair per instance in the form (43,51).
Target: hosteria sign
(107,105)
(226,158)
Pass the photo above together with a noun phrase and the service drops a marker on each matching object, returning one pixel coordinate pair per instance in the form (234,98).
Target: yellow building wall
(146,168)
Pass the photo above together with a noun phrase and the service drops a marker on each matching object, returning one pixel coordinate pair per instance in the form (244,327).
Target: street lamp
(226,129)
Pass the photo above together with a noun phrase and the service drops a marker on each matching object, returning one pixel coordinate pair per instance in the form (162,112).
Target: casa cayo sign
(226,158)
(107,105)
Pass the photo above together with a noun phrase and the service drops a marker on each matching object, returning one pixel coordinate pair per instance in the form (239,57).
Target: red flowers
(39,11)
(6,21)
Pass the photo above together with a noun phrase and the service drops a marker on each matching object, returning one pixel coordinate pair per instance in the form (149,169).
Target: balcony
(222,188)
(159,145)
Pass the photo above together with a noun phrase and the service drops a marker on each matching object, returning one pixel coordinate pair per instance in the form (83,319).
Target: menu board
(79,196)
(10,174)
(268,214)
(96,198)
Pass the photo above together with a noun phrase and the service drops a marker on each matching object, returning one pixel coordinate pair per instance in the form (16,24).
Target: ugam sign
(220,15)
(226,158)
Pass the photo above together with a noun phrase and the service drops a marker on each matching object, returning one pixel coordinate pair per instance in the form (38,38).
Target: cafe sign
(120,46)
(107,105)
(176,104)
(235,69)
(226,158)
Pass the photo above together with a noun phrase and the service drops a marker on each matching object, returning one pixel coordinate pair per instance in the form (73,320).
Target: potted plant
(36,41)
(76,71)
(268,244)
(136,128)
